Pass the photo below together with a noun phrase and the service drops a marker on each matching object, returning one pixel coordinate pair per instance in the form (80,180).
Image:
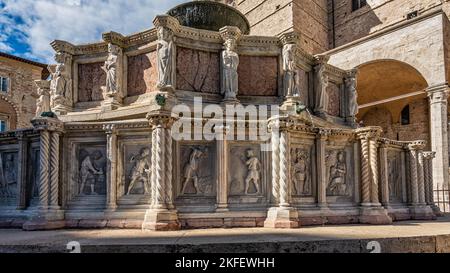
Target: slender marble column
(384,175)
(413,175)
(222,162)
(111,138)
(321,170)
(421,177)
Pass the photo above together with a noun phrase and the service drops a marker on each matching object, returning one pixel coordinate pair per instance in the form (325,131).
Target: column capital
(161,119)
(167,21)
(417,145)
(429,155)
(369,132)
(230,33)
(47,124)
(288,38)
(438,93)
(110,129)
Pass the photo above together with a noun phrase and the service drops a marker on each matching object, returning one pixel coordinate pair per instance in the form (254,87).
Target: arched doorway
(391,94)
(8,116)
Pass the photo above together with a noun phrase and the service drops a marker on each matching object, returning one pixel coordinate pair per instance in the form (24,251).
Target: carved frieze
(196,171)
(137,170)
(91,178)
(245,171)
(337,170)
(301,175)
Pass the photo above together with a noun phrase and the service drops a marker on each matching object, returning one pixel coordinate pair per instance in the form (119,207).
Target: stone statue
(350,84)
(230,63)
(165,58)
(322,94)
(301,173)
(290,72)
(88,171)
(110,68)
(191,170)
(61,83)
(254,166)
(338,171)
(141,170)
(42,102)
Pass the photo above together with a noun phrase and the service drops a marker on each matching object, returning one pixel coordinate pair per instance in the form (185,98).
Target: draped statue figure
(110,68)
(230,61)
(61,83)
(165,58)
(290,72)
(350,84)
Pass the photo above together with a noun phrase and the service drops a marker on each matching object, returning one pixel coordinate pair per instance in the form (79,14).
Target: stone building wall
(378,14)
(21,91)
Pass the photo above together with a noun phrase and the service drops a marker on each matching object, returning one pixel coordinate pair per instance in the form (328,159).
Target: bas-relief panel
(142,74)
(301,171)
(91,79)
(91,160)
(8,177)
(395,176)
(137,170)
(197,175)
(246,171)
(198,71)
(334,104)
(339,172)
(34,176)
(258,76)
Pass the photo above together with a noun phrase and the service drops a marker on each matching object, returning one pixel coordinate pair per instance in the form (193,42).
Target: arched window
(405,116)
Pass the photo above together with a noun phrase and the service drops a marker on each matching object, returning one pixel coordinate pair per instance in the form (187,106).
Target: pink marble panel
(334,104)
(198,71)
(91,79)
(258,76)
(142,74)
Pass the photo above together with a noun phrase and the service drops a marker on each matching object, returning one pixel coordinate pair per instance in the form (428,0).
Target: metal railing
(441,199)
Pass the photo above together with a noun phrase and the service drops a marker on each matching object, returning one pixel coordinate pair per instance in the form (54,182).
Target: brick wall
(22,90)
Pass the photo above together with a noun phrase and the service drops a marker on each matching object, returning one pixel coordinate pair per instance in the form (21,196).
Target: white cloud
(76,21)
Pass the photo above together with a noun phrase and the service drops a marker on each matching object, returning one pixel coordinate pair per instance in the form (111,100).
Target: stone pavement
(409,236)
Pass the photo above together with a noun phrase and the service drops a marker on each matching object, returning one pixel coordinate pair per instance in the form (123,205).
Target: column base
(161,220)
(437,211)
(46,220)
(374,216)
(280,217)
(422,212)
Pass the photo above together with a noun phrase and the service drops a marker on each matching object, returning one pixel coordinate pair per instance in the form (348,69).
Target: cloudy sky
(28,26)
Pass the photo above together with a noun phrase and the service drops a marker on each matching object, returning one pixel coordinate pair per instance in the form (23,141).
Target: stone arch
(8,108)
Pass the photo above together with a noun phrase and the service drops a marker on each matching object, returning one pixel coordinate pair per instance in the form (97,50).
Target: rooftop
(45,72)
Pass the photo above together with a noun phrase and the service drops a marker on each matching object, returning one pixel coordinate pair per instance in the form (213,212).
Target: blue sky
(28,26)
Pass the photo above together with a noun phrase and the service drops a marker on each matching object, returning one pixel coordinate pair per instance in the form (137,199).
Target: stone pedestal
(422,212)
(374,216)
(161,220)
(281,217)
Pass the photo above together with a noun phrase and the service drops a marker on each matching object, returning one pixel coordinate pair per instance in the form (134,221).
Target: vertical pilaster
(421,177)
(414,183)
(222,170)
(22,171)
(111,176)
(321,170)
(384,175)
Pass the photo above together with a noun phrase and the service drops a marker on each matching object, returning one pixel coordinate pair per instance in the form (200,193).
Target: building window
(3,125)
(405,116)
(4,82)
(357,4)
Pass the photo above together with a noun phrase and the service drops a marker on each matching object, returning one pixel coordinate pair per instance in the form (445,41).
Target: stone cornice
(50,124)
(105,126)
(369,132)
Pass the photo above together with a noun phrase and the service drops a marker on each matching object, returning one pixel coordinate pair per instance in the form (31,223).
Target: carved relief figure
(141,171)
(165,57)
(61,83)
(290,72)
(110,68)
(301,176)
(191,170)
(43,101)
(230,61)
(350,84)
(322,99)
(337,180)
(89,173)
(253,175)
(8,176)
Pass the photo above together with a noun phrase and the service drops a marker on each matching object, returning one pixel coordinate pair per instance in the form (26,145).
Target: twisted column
(365,171)
(153,174)
(421,178)
(169,168)
(413,175)
(373,147)
(44,168)
(54,169)
(159,144)
(284,183)
(276,165)
(428,173)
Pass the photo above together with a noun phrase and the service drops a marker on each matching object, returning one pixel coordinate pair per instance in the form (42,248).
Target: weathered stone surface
(142,74)
(198,71)
(334,104)
(91,79)
(258,76)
